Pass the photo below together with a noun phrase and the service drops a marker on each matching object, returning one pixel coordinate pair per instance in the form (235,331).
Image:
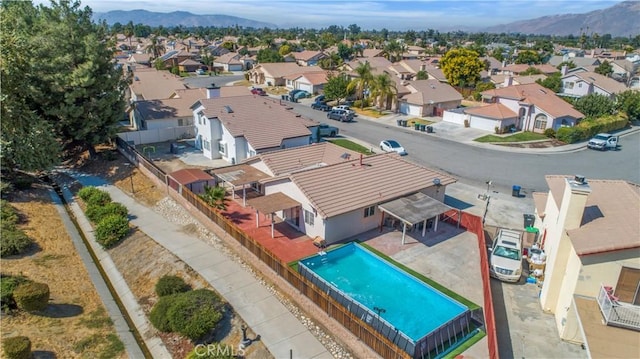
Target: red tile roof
(496,111)
(190,175)
(537,95)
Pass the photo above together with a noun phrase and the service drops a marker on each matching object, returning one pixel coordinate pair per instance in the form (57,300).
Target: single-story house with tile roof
(139,59)
(372,53)
(192,178)
(516,69)
(429,98)
(189,65)
(556,60)
(236,128)
(589,231)
(581,83)
(509,80)
(308,57)
(343,199)
(494,117)
(273,74)
(229,62)
(312,82)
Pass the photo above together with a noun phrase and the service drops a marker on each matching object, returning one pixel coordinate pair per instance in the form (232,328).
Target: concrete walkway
(122,328)
(279,330)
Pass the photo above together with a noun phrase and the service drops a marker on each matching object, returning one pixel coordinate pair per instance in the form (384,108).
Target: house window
(308,217)
(541,122)
(207,145)
(222,148)
(580,85)
(369,211)
(568,85)
(180,122)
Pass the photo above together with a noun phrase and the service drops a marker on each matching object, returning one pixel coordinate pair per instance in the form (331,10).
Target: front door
(628,284)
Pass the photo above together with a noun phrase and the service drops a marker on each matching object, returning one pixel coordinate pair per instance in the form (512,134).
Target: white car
(505,262)
(344,108)
(392,146)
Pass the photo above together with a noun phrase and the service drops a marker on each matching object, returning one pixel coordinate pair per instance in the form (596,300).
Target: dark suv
(320,106)
(340,115)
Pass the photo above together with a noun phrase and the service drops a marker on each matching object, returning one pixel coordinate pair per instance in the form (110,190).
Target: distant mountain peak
(176,18)
(620,19)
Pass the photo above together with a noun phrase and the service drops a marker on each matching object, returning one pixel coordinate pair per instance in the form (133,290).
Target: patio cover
(239,175)
(270,204)
(414,209)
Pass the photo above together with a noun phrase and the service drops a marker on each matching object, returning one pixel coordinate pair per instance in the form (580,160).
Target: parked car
(201,72)
(321,99)
(292,93)
(506,256)
(320,106)
(326,130)
(392,146)
(603,141)
(340,115)
(345,108)
(301,94)
(258,91)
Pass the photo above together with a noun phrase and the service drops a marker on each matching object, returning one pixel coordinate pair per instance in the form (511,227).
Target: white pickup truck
(603,141)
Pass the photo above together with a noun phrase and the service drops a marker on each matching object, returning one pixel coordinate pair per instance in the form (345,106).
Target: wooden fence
(355,325)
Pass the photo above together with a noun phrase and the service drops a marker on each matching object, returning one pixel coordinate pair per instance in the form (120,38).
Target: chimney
(563,70)
(574,200)
(504,63)
(213,91)
(508,81)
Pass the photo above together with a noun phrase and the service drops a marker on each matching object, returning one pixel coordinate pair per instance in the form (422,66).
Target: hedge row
(193,314)
(13,240)
(589,128)
(110,218)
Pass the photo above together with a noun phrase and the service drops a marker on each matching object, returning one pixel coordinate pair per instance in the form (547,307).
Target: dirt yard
(75,324)
(142,261)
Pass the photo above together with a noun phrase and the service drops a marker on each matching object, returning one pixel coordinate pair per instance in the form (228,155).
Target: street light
(127,164)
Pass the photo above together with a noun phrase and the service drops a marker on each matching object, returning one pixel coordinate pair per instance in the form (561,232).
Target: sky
(368,14)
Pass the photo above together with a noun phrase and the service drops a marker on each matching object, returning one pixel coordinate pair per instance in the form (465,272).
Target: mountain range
(622,19)
(176,18)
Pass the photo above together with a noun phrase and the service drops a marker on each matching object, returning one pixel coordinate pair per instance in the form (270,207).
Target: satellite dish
(436,181)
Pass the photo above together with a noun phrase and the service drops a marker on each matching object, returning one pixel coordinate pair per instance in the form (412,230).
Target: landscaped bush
(8,214)
(96,213)
(94,196)
(17,347)
(195,313)
(550,132)
(111,229)
(14,241)
(588,128)
(31,296)
(360,104)
(158,316)
(8,284)
(171,284)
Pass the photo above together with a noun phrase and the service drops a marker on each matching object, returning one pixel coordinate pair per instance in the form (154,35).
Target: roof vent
(579,179)
(228,109)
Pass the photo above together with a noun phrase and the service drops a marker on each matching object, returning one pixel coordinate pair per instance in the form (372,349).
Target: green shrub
(588,128)
(31,296)
(8,284)
(17,347)
(8,214)
(96,213)
(195,313)
(94,196)
(111,229)
(158,316)
(366,102)
(171,284)
(550,132)
(14,241)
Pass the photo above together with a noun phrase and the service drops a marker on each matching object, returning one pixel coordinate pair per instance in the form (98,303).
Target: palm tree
(384,91)
(128,32)
(361,83)
(155,47)
(216,197)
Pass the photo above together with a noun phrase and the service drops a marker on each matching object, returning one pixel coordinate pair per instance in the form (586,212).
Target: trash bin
(530,236)
(430,129)
(283,97)
(416,126)
(399,123)
(422,127)
(403,123)
(515,191)
(529,219)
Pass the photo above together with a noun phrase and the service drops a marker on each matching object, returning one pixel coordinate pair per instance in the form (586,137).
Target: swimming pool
(416,317)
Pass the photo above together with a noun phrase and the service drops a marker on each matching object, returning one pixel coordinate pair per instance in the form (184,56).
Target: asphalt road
(474,165)
(206,81)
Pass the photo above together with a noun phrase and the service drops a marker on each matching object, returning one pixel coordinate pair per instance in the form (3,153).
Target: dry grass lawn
(75,324)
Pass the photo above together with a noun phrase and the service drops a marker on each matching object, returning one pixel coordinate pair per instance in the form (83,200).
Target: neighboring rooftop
(541,97)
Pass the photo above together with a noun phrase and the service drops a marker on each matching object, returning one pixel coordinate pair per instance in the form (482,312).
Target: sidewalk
(279,330)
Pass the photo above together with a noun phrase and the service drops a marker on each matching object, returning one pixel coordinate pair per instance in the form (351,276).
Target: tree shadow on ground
(55,310)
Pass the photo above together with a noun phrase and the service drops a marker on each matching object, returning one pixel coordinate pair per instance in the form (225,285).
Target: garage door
(408,109)
(306,87)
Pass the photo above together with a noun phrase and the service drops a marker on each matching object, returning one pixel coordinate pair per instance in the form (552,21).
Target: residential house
(189,65)
(493,67)
(536,109)
(579,84)
(591,238)
(332,193)
(139,59)
(312,82)
(152,84)
(508,80)
(372,53)
(274,74)
(218,50)
(429,98)
(175,57)
(606,54)
(308,58)
(175,111)
(624,69)
(235,128)
(517,69)
(196,180)
(556,60)
(229,62)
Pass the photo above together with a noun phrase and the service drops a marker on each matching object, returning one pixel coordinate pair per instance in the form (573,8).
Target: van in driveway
(505,261)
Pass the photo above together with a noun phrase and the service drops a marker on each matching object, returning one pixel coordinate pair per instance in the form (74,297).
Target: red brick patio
(287,243)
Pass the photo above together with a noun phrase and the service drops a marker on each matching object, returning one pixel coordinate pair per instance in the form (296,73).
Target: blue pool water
(410,305)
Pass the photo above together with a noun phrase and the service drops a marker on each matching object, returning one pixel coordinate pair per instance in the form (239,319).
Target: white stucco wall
(206,130)
(456,117)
